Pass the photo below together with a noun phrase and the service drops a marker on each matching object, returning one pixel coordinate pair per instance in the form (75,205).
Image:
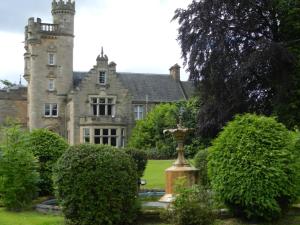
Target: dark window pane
(97,131)
(47,109)
(54,110)
(102,110)
(95,110)
(113,132)
(94,100)
(102,100)
(97,140)
(105,131)
(113,141)
(105,140)
(87,140)
(109,110)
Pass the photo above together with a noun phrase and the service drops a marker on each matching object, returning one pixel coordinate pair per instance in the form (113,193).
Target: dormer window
(102,77)
(51,59)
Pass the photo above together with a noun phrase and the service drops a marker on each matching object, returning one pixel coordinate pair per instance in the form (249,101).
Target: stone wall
(13,104)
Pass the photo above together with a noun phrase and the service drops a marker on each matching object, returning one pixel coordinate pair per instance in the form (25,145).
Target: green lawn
(155,173)
(28,218)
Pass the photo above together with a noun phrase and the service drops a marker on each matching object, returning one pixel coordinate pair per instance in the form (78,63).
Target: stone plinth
(172,174)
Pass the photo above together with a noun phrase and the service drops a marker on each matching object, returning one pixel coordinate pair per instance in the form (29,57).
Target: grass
(28,218)
(155,173)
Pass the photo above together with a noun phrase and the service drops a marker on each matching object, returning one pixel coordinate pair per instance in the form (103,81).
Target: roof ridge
(140,73)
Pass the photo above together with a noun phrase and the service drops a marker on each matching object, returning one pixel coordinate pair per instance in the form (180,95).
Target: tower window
(51,110)
(138,112)
(103,106)
(51,59)
(102,77)
(51,85)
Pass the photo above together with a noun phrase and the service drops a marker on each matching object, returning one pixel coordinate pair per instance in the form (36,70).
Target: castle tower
(49,67)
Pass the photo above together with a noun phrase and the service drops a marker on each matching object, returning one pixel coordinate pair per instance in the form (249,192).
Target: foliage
(140,159)
(252,168)
(6,83)
(192,206)
(97,184)
(244,57)
(148,133)
(47,147)
(18,170)
(201,164)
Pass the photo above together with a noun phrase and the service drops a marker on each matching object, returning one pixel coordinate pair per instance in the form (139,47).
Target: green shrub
(192,206)
(47,147)
(18,175)
(97,184)
(252,167)
(201,163)
(140,159)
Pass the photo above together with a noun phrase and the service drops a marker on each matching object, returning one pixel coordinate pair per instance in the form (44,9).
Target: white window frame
(102,78)
(51,84)
(86,135)
(50,108)
(139,112)
(51,59)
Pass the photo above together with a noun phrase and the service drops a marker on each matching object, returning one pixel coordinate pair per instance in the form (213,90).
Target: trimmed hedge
(97,184)
(252,167)
(47,147)
(201,163)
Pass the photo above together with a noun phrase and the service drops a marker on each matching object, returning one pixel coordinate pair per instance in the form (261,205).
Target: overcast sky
(138,35)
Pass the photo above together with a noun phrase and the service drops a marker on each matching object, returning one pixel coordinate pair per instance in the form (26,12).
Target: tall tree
(237,56)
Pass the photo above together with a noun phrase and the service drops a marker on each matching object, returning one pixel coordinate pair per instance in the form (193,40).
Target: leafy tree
(148,133)
(253,167)
(47,147)
(238,55)
(6,83)
(18,169)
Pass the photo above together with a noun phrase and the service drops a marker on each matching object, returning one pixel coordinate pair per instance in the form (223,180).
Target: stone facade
(100,106)
(13,105)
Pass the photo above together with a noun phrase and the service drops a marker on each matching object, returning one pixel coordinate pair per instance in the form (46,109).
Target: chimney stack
(175,72)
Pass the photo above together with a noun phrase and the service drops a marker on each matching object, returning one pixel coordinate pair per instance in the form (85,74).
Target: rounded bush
(140,159)
(47,147)
(97,184)
(201,163)
(252,167)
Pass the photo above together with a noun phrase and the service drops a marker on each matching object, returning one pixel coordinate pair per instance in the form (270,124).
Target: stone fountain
(180,168)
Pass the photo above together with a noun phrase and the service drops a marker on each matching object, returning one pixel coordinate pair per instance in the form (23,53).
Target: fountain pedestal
(181,168)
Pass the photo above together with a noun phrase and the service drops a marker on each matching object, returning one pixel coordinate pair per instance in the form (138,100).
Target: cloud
(137,34)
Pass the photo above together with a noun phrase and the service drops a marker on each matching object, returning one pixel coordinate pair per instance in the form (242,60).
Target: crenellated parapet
(62,6)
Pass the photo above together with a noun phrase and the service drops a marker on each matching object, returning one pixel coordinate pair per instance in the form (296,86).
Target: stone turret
(49,67)
(63,15)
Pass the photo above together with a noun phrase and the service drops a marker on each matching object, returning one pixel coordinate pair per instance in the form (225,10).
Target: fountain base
(172,174)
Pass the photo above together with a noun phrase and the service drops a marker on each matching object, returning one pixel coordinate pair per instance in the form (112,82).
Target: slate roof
(154,87)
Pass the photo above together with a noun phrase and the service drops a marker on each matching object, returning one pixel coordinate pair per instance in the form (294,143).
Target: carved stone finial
(102,52)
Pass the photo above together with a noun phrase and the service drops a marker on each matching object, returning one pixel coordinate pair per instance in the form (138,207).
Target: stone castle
(100,106)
